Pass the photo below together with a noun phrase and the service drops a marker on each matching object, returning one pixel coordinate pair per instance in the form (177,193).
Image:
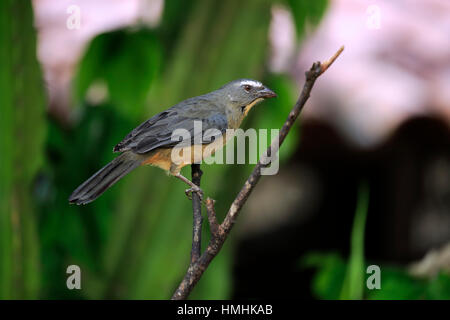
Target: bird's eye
(247,88)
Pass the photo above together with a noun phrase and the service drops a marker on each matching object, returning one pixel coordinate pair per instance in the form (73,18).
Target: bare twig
(197,215)
(326,64)
(212,218)
(196,226)
(219,232)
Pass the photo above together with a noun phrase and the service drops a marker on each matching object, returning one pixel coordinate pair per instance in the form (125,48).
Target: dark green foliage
(175,15)
(396,283)
(339,279)
(330,274)
(354,281)
(73,234)
(306,13)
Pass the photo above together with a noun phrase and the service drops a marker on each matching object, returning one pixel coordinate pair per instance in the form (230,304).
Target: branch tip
(325,65)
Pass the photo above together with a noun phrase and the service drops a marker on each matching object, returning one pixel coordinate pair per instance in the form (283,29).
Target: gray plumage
(157,131)
(104,178)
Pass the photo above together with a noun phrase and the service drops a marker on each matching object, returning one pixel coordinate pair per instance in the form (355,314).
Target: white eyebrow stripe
(251,83)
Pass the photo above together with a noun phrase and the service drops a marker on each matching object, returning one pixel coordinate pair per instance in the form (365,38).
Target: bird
(152,142)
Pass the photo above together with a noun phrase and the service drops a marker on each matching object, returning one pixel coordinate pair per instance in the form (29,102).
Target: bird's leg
(193,186)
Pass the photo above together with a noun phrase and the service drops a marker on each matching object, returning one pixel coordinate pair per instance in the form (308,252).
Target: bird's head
(243,94)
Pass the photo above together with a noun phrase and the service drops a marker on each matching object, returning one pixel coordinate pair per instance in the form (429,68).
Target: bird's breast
(237,115)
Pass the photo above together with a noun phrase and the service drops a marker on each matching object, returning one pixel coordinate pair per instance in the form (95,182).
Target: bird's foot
(193,189)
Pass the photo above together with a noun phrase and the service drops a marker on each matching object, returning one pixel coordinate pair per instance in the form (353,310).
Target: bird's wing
(158,131)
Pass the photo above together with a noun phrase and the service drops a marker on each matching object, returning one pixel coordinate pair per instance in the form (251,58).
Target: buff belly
(172,160)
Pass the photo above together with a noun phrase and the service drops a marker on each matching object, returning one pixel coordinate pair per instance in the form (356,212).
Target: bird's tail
(92,188)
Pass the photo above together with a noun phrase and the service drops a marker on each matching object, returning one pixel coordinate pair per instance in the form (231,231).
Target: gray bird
(153,143)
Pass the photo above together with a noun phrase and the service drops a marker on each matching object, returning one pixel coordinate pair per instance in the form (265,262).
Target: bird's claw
(197,190)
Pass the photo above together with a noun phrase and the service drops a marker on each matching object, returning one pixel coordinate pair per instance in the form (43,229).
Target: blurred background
(364,176)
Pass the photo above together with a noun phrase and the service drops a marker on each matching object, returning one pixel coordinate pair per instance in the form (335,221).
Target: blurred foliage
(134,241)
(128,61)
(354,279)
(330,274)
(336,278)
(306,13)
(396,282)
(22,132)
(276,111)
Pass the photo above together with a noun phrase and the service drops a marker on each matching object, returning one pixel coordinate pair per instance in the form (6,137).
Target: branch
(197,215)
(196,225)
(219,233)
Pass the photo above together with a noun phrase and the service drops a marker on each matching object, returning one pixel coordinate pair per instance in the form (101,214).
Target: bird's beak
(266,93)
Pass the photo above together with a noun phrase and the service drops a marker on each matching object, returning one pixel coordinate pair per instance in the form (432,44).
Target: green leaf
(329,278)
(439,287)
(396,284)
(354,281)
